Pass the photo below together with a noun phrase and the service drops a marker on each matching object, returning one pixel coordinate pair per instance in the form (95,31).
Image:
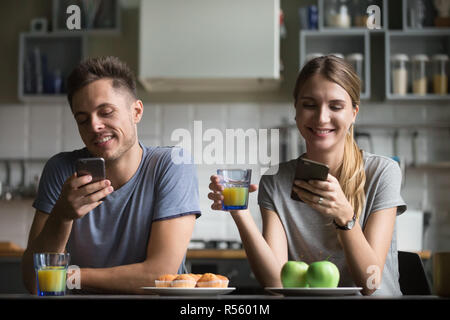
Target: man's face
(106,118)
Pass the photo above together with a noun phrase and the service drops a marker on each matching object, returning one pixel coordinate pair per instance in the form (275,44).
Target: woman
(362,189)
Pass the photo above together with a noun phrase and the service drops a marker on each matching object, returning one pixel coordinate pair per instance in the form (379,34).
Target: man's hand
(79,196)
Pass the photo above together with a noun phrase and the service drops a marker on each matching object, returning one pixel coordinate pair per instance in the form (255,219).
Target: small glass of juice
(51,270)
(236,182)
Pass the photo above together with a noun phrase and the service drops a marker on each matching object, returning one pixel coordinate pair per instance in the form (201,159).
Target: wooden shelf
(10,249)
(215,254)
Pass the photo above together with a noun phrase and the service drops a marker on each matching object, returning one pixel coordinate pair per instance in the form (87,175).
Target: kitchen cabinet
(349,15)
(342,31)
(410,40)
(45,60)
(414,42)
(202,45)
(343,42)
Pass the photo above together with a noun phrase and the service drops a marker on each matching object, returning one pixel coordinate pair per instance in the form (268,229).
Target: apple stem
(328,257)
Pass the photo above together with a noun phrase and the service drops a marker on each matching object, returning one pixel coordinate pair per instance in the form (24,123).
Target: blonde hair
(351,174)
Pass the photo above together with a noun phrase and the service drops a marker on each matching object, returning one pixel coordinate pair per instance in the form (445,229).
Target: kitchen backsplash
(39,131)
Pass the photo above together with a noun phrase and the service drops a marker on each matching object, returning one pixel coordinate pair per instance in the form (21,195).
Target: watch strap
(348,226)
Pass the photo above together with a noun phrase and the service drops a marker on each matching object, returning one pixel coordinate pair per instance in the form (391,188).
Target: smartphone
(93,166)
(309,170)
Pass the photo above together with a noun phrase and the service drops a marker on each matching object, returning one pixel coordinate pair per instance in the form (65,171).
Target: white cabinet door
(209,39)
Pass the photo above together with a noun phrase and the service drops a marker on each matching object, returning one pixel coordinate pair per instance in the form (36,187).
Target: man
(124,231)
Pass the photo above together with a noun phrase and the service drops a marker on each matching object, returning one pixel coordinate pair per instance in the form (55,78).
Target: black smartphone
(93,166)
(308,170)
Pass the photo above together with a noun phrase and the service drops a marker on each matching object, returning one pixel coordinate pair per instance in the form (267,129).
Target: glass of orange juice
(51,270)
(236,182)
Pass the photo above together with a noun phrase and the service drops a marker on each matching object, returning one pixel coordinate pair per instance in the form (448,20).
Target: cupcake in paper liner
(184,281)
(195,276)
(209,280)
(223,281)
(165,280)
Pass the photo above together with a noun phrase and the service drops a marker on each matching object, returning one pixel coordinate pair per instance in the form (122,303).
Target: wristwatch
(348,226)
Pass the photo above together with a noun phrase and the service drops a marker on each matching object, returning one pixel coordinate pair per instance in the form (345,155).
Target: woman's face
(324,114)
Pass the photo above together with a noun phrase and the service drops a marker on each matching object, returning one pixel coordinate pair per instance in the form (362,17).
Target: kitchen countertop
(9,249)
(240,254)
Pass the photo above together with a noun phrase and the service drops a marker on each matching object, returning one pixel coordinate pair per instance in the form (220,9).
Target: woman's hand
(216,194)
(328,199)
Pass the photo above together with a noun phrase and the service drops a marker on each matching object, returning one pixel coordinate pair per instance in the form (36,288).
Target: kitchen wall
(41,130)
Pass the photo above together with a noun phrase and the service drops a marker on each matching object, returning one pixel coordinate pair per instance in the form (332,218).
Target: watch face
(350,224)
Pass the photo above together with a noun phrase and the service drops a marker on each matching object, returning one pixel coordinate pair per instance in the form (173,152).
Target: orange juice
(51,281)
(235,198)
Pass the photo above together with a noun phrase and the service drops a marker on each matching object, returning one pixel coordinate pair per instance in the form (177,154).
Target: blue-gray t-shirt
(117,231)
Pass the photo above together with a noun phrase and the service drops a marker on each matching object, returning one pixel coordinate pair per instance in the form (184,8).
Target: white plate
(340,291)
(187,291)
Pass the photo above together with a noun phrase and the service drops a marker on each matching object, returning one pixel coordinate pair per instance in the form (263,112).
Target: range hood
(209,45)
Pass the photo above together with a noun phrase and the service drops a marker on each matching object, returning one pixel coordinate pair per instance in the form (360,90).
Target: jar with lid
(440,76)
(359,12)
(356,60)
(399,67)
(337,14)
(419,74)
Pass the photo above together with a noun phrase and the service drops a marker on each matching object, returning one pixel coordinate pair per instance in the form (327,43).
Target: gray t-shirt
(117,231)
(312,236)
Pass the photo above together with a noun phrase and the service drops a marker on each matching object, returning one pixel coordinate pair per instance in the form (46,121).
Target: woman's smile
(321,132)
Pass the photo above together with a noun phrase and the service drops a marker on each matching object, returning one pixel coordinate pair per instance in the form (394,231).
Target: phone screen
(93,166)
(309,170)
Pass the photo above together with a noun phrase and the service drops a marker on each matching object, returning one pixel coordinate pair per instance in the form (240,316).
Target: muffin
(209,280)
(165,280)
(184,281)
(195,276)
(223,281)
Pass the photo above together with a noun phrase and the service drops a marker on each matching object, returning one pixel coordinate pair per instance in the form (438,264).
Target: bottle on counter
(419,74)
(399,67)
(357,61)
(440,77)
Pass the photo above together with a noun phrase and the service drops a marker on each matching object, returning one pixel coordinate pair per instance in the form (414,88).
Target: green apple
(293,274)
(322,274)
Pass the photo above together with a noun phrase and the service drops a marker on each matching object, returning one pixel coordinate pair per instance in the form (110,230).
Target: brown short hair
(92,69)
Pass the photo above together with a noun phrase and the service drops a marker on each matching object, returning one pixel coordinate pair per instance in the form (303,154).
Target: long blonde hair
(351,174)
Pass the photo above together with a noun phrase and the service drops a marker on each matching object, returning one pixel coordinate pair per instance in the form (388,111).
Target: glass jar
(399,67)
(440,77)
(357,61)
(343,19)
(419,74)
(337,14)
